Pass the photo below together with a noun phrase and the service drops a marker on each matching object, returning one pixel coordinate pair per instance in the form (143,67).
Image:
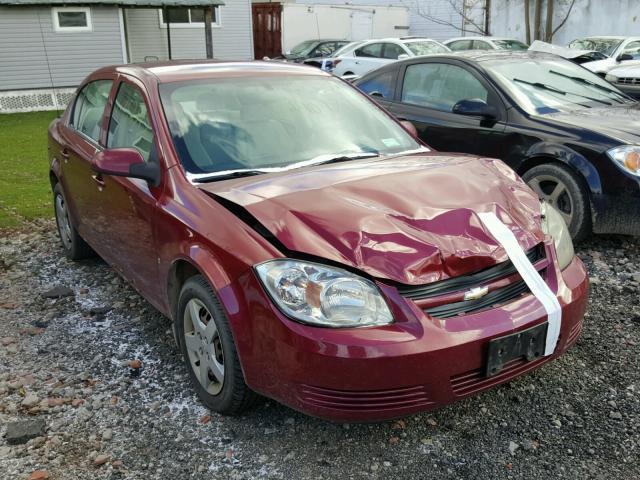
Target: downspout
(165,14)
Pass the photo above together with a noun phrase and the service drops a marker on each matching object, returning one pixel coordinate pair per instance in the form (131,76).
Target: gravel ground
(68,367)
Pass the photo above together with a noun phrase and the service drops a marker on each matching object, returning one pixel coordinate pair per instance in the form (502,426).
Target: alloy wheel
(554,192)
(204,346)
(62,219)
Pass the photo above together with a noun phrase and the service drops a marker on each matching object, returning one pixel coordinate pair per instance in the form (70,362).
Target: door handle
(99,181)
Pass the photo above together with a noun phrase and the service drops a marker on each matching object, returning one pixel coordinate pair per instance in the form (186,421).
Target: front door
(127,205)
(267,30)
(428,92)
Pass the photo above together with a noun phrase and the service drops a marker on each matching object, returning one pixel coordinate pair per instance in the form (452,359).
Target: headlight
(611,78)
(323,296)
(627,157)
(553,224)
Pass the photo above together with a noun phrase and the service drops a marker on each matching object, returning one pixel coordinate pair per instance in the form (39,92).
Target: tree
(546,34)
(473,14)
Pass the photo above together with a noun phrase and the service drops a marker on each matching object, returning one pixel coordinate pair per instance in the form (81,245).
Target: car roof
(604,37)
(485,55)
(471,56)
(479,37)
(177,70)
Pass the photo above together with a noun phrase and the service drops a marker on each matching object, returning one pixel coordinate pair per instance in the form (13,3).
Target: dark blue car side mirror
(476,108)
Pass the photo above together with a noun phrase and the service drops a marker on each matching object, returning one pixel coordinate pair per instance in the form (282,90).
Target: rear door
(369,58)
(81,140)
(426,93)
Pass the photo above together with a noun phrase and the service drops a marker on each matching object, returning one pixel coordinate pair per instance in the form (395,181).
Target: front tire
(73,244)
(560,187)
(209,351)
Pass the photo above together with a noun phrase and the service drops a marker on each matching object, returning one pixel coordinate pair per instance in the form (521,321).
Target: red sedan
(307,247)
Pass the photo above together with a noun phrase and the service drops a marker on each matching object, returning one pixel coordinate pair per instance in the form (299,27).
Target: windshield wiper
(325,159)
(544,86)
(225,175)
(584,81)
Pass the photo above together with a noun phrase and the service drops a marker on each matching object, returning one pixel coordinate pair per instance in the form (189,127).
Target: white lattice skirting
(35,100)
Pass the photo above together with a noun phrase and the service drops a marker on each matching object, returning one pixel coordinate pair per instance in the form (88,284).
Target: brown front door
(267,30)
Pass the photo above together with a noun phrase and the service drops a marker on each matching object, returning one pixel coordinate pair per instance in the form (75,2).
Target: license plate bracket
(527,343)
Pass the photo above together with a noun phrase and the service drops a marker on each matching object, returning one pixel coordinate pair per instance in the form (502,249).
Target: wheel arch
(553,153)
(197,261)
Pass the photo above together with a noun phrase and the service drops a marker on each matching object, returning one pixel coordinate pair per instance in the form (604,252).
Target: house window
(72,19)
(189,17)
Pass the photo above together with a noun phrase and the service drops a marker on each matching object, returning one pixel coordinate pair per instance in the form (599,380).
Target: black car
(573,137)
(312,48)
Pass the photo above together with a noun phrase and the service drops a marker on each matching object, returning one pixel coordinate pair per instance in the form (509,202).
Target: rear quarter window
(380,85)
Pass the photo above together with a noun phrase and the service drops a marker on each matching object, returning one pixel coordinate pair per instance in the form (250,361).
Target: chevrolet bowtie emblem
(476,293)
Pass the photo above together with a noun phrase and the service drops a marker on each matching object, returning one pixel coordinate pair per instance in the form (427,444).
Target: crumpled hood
(621,123)
(410,219)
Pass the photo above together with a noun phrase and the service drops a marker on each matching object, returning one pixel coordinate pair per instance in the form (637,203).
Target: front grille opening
(494,298)
(466,282)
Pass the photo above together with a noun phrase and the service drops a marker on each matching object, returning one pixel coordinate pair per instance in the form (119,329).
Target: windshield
(236,123)
(510,45)
(550,85)
(303,48)
(426,48)
(605,46)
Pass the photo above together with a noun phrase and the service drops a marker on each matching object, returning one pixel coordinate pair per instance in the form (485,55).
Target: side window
(633,48)
(89,108)
(440,86)
(323,50)
(373,50)
(460,45)
(380,85)
(129,125)
(392,51)
(481,45)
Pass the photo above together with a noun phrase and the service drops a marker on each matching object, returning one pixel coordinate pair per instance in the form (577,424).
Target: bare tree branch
(460,7)
(564,20)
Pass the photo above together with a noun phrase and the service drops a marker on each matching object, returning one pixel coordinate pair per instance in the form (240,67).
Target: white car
(484,43)
(326,63)
(376,53)
(620,50)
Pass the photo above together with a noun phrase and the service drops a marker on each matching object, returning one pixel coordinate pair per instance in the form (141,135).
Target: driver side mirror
(475,108)
(624,56)
(126,162)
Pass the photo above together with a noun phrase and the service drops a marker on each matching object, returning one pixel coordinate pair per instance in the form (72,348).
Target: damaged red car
(305,245)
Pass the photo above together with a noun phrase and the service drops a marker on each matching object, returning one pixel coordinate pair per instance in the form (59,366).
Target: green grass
(25,193)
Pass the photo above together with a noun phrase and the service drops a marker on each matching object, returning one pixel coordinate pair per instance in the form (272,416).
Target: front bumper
(631,90)
(616,214)
(370,374)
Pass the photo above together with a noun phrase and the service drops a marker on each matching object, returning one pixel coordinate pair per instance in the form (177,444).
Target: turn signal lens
(632,161)
(627,157)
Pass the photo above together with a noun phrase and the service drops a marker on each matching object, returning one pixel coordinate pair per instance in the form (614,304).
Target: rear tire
(73,244)
(209,351)
(562,188)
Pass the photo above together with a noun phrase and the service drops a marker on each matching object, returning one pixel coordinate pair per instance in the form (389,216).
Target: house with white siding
(48,46)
